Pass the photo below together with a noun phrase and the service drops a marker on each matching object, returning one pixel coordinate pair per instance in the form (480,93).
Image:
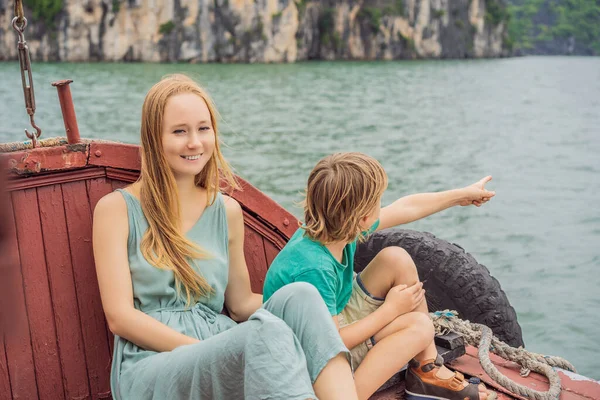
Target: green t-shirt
(305,260)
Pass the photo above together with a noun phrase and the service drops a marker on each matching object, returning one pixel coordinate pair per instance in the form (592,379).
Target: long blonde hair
(164,245)
(342,188)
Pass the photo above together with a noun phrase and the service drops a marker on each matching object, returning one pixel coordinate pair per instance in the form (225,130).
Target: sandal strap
(439,361)
(427,365)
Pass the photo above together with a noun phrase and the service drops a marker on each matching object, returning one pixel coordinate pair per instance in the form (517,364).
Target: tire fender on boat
(452,279)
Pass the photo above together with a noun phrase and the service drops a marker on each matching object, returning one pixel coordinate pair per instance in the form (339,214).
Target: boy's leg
(393,266)
(391,352)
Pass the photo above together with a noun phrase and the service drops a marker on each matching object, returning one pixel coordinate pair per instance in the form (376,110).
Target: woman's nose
(194,141)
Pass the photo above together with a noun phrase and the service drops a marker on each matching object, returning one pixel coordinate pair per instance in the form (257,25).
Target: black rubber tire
(452,278)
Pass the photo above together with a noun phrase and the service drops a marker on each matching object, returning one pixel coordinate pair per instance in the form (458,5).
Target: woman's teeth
(192,157)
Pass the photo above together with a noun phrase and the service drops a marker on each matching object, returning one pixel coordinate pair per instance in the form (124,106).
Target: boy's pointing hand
(476,194)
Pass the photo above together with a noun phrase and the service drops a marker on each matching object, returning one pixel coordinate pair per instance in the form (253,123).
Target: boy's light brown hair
(342,188)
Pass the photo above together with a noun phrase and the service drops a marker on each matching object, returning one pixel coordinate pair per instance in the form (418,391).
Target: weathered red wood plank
(8,286)
(269,210)
(255,258)
(4,378)
(271,251)
(48,159)
(18,340)
(122,174)
(38,298)
(18,183)
(98,188)
(79,226)
(119,184)
(64,298)
(116,155)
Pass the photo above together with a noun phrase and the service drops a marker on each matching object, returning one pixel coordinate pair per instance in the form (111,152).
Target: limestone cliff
(258,30)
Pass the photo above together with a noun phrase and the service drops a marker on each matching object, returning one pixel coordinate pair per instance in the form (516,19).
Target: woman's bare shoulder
(111,206)
(232,207)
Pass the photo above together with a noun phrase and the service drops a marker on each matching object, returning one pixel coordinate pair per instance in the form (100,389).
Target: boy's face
(367,221)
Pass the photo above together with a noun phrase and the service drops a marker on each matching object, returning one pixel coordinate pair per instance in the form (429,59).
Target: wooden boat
(63,348)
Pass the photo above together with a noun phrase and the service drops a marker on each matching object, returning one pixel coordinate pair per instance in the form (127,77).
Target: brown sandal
(422,383)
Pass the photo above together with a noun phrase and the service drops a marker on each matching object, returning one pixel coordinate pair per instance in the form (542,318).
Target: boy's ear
(363,220)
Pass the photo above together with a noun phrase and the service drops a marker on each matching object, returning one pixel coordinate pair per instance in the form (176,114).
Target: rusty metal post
(68,110)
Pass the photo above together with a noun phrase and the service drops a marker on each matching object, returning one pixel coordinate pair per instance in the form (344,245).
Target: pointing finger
(485,180)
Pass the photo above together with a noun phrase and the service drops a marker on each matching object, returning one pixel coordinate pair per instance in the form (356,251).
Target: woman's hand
(476,194)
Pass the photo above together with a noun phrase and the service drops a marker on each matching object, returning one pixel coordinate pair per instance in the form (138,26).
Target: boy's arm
(361,330)
(353,334)
(398,301)
(416,206)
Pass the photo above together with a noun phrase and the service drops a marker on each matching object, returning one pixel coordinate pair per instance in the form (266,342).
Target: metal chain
(19,23)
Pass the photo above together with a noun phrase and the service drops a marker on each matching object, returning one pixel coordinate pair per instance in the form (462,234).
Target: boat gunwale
(43,166)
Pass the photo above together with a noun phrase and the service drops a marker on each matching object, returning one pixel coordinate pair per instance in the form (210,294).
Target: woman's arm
(416,206)
(240,301)
(111,231)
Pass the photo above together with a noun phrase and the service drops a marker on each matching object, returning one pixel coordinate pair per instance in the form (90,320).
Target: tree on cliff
(555,26)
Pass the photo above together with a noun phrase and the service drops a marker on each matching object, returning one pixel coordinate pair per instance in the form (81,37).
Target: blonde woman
(169,256)
(380,313)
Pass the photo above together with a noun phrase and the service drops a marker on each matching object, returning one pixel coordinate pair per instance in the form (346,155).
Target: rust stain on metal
(62,82)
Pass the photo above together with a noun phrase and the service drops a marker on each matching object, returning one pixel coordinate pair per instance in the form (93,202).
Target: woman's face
(188,137)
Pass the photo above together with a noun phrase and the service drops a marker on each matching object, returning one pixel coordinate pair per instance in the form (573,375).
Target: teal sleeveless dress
(277,354)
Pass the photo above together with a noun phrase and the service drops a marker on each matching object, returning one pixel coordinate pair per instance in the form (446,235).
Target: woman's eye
(178,131)
(204,128)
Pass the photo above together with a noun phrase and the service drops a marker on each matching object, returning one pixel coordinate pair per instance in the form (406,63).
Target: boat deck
(574,386)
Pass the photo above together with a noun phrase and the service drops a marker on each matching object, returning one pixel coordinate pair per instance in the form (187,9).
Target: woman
(169,256)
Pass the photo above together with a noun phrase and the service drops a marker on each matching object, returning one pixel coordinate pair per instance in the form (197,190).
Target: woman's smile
(192,158)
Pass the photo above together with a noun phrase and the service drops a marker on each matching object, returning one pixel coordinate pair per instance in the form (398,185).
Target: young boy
(380,313)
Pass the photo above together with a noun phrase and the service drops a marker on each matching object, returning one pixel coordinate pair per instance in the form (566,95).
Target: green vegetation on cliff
(555,26)
(495,12)
(44,10)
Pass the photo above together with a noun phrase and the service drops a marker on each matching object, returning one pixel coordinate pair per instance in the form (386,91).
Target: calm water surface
(532,123)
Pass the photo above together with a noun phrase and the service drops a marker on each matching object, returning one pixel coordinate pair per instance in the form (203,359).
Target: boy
(380,313)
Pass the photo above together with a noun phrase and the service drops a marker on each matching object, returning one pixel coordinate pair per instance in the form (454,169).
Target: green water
(533,123)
